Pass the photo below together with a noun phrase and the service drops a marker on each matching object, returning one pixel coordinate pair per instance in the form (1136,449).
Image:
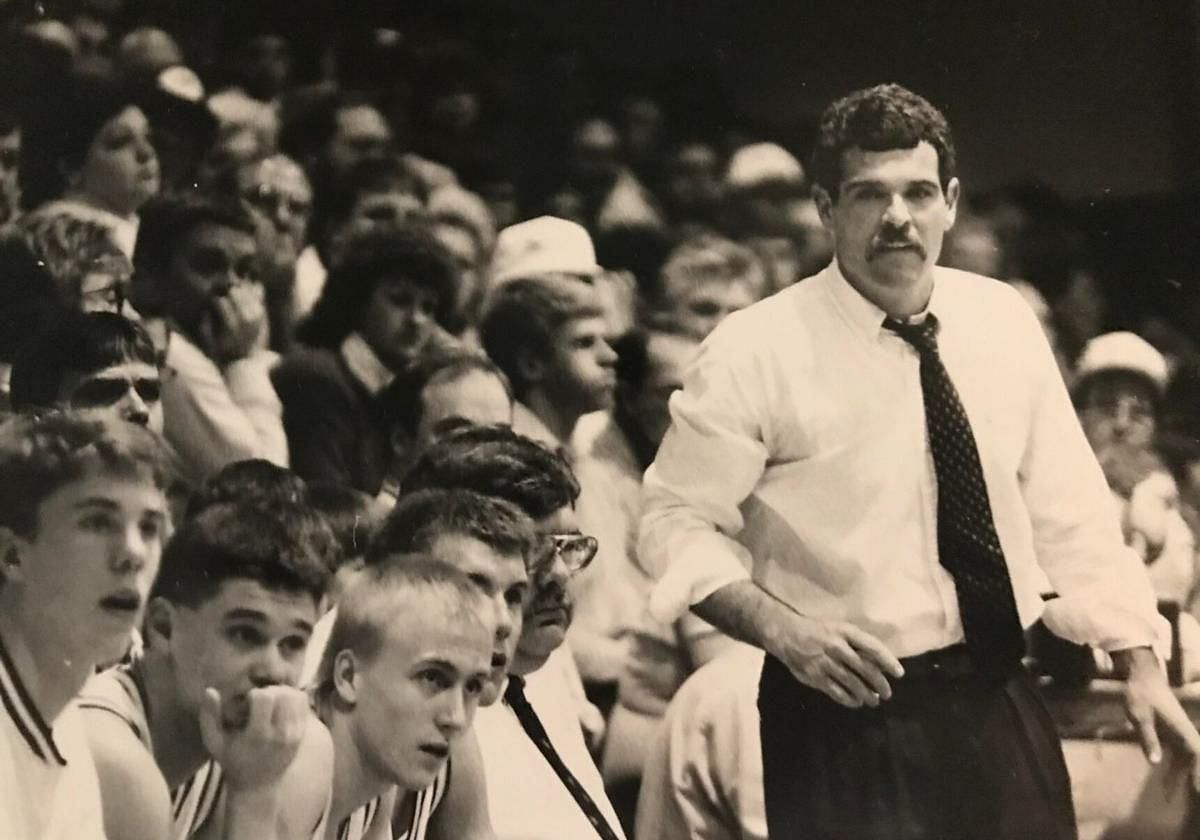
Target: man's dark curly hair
(878,119)
(409,253)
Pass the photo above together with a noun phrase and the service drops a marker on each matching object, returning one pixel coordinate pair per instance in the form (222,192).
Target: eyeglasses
(575,550)
(107,299)
(101,392)
(271,200)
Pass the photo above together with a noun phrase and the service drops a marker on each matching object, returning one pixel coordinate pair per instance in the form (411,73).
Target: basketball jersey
(355,826)
(119,692)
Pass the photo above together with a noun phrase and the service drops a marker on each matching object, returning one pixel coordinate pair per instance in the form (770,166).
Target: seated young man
(486,539)
(444,393)
(98,364)
(197,275)
(205,735)
(549,336)
(541,780)
(83,517)
(406,663)
(703,280)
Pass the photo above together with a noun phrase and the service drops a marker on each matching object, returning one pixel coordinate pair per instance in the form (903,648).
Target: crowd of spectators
(410,353)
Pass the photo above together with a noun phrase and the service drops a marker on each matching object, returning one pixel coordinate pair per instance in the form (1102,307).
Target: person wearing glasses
(277,195)
(197,275)
(86,268)
(98,364)
(528,759)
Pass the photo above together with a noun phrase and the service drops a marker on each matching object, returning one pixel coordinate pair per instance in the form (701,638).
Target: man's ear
(12,548)
(530,366)
(953,191)
(346,676)
(824,202)
(159,624)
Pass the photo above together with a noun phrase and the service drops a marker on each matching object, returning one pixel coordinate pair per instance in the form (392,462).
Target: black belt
(952,662)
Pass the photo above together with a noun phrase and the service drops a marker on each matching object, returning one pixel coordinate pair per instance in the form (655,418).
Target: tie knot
(922,336)
(515,689)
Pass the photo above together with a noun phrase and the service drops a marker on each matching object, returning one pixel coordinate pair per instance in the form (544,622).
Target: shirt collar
(364,365)
(865,316)
(526,423)
(19,705)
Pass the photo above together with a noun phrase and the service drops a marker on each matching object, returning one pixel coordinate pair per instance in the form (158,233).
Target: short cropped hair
(399,590)
(354,517)
(524,316)
(40,455)
(408,253)
(271,544)
(251,480)
(879,119)
(496,461)
(400,403)
(166,224)
(420,518)
(75,347)
(708,257)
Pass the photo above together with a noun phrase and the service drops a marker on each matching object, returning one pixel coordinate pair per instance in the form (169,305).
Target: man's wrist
(1135,662)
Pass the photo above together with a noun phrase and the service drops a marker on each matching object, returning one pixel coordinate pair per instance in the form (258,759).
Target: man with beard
(869,475)
(205,734)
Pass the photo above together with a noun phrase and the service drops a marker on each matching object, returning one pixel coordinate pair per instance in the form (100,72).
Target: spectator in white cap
(1118,391)
(545,327)
(552,247)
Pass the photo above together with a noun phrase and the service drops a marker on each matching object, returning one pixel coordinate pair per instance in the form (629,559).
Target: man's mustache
(887,241)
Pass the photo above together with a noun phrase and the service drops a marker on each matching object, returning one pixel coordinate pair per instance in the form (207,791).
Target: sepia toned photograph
(583,420)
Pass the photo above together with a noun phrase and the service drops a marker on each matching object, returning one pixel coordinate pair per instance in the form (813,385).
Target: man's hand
(846,663)
(236,323)
(254,755)
(1149,701)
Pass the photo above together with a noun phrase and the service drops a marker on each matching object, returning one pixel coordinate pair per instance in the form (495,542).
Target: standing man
(868,475)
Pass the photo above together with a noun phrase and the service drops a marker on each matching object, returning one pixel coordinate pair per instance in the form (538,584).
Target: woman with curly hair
(385,304)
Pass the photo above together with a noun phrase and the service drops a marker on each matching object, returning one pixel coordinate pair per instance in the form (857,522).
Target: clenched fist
(256,746)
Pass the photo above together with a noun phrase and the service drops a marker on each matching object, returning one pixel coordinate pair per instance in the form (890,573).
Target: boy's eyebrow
(247,614)
(437,662)
(96,501)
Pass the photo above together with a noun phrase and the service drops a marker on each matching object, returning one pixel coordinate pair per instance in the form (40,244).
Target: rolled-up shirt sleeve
(1105,595)
(709,462)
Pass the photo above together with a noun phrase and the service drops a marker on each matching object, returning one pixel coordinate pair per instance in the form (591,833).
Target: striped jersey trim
(24,713)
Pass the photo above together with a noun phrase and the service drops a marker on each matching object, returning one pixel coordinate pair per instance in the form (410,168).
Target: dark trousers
(949,757)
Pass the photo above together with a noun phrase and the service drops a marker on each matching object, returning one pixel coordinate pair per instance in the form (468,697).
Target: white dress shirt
(704,773)
(526,799)
(798,457)
(213,416)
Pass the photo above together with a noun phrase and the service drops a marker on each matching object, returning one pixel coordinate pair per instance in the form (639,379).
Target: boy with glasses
(98,364)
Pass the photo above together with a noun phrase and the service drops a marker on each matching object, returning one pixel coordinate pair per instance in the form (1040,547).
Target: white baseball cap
(545,245)
(1122,351)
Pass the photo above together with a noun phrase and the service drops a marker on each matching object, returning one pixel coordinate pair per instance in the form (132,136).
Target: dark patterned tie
(967,543)
(515,696)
